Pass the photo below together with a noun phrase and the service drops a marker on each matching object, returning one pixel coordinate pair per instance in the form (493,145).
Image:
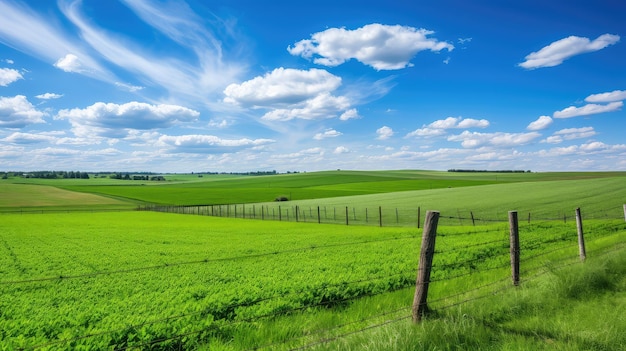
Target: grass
(131,278)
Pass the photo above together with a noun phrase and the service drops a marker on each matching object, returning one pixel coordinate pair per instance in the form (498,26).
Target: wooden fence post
(427,252)
(514,237)
(380,216)
(624,212)
(319,219)
(297,213)
(346,215)
(472,215)
(581,239)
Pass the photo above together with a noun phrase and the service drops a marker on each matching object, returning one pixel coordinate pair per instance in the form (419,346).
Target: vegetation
(146,280)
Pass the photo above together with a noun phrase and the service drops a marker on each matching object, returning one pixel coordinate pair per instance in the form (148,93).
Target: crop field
(136,280)
(114,280)
(230,189)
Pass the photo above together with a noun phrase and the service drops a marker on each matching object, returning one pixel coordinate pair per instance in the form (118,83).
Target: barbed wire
(206,260)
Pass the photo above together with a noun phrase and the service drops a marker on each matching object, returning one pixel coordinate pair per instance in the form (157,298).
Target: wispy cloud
(589,109)
(499,139)
(49,96)
(329,133)
(561,50)
(382,47)
(542,122)
(28,32)
(615,95)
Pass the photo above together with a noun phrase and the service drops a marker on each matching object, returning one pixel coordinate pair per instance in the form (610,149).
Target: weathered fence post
(380,216)
(319,219)
(472,215)
(427,252)
(581,239)
(366,219)
(262,213)
(624,212)
(514,237)
(280,214)
(297,213)
(397,216)
(347,215)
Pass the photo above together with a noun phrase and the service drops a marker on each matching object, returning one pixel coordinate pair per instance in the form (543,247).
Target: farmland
(139,280)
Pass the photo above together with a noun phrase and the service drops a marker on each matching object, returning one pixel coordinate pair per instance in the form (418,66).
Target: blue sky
(240,85)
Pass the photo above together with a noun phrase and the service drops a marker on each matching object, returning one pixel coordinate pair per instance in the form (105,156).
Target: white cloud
(113,120)
(28,138)
(349,114)
(329,133)
(28,32)
(382,47)
(542,122)
(615,95)
(8,76)
(18,112)
(49,96)
(570,134)
(560,50)
(384,133)
(282,86)
(341,150)
(589,109)
(439,127)
(293,94)
(70,63)
(128,87)
(475,139)
(219,124)
(210,143)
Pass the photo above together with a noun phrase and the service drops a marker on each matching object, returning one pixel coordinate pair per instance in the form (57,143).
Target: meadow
(134,280)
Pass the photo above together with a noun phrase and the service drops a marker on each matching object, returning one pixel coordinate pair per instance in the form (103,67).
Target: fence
(371,216)
(436,266)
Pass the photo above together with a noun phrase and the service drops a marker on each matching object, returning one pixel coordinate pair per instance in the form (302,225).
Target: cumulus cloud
(615,95)
(384,133)
(329,133)
(382,47)
(8,76)
(113,120)
(49,96)
(282,86)
(542,122)
(293,94)
(439,127)
(350,114)
(560,50)
(209,143)
(499,139)
(69,63)
(18,112)
(571,134)
(589,109)
(341,150)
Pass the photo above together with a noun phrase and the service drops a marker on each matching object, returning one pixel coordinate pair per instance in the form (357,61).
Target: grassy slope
(551,199)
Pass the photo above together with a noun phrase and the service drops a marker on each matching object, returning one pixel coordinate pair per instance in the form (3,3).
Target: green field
(135,280)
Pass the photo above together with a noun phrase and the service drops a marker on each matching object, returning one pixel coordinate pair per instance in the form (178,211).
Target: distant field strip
(23,195)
